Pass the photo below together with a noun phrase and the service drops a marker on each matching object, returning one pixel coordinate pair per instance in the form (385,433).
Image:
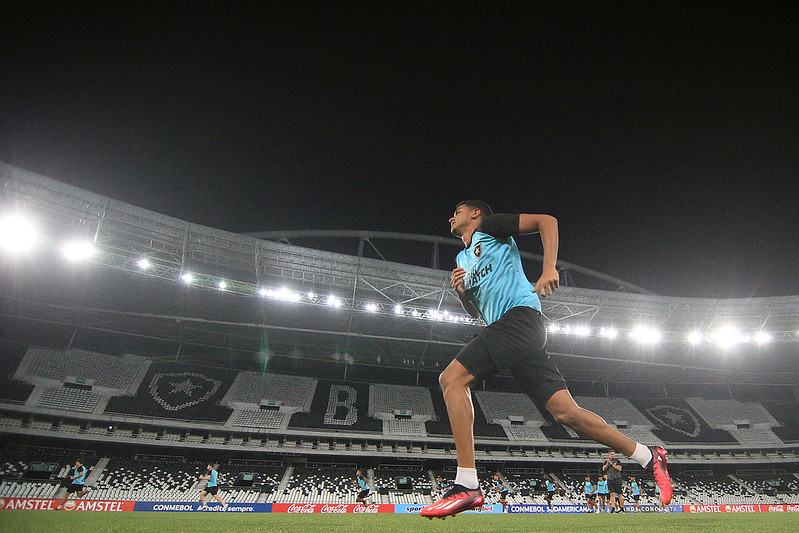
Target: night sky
(665,142)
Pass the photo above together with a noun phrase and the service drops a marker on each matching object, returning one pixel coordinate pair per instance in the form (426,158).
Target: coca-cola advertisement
(332,508)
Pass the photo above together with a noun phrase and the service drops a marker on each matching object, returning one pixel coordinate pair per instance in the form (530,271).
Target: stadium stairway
(560,485)
(98,469)
(284,483)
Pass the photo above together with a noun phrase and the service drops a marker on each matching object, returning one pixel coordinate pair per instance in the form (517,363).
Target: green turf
(91,522)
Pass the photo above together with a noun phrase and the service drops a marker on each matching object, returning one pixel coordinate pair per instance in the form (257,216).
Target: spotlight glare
(695,337)
(398,309)
(582,331)
(646,335)
(187,277)
(79,250)
(333,301)
(144,263)
(263,292)
(222,285)
(762,337)
(17,234)
(371,307)
(608,333)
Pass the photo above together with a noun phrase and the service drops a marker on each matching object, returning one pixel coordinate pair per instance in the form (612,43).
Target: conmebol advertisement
(196,507)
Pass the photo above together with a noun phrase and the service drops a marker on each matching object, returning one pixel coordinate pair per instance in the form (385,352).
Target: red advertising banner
(70,505)
(332,508)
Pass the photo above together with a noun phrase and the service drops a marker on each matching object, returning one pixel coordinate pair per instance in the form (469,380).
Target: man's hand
(547,283)
(457,280)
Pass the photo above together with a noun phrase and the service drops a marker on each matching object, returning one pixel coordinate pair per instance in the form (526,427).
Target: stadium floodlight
(762,337)
(221,285)
(582,331)
(398,309)
(553,327)
(187,277)
(311,296)
(608,333)
(727,337)
(263,291)
(414,313)
(646,335)
(334,301)
(17,234)
(286,295)
(79,250)
(371,307)
(694,337)
(144,263)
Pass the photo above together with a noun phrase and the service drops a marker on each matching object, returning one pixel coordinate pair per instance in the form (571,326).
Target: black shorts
(363,494)
(517,342)
(75,487)
(615,485)
(503,495)
(636,497)
(590,497)
(211,490)
(550,494)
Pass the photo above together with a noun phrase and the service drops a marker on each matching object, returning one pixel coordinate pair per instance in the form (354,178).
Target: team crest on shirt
(478,250)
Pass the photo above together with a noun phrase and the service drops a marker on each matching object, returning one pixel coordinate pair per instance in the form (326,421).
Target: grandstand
(307,364)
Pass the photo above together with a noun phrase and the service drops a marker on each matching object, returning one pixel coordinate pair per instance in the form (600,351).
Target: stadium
(150,346)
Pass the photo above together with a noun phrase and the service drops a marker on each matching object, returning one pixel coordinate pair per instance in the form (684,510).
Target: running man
(499,485)
(212,487)
(636,493)
(363,487)
(550,492)
(443,485)
(77,484)
(490,283)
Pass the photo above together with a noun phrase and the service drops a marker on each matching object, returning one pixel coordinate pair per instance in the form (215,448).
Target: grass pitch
(157,522)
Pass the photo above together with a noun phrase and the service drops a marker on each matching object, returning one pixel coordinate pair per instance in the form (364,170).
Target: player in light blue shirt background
(212,487)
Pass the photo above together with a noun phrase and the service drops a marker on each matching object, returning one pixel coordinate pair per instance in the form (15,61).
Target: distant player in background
(77,483)
(550,492)
(212,487)
(363,487)
(661,506)
(601,492)
(443,485)
(635,490)
(490,283)
(499,485)
(590,494)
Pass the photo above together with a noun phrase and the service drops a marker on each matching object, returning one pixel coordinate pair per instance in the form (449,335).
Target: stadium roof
(166,286)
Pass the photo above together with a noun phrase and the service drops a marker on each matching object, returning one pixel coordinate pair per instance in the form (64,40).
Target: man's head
(79,462)
(632,479)
(588,478)
(496,477)
(209,467)
(468,214)
(612,454)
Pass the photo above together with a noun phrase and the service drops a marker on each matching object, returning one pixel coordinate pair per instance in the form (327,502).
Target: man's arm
(547,227)
(456,279)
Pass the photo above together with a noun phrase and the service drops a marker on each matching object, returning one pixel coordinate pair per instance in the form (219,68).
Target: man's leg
(465,494)
(566,411)
(63,500)
(456,384)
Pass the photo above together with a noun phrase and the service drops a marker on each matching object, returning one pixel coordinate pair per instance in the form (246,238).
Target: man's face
(461,219)
(612,455)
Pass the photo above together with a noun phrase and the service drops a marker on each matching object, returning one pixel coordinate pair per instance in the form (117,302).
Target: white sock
(642,455)
(467,477)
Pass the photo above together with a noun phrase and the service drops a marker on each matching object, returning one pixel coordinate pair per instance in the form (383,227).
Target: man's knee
(450,378)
